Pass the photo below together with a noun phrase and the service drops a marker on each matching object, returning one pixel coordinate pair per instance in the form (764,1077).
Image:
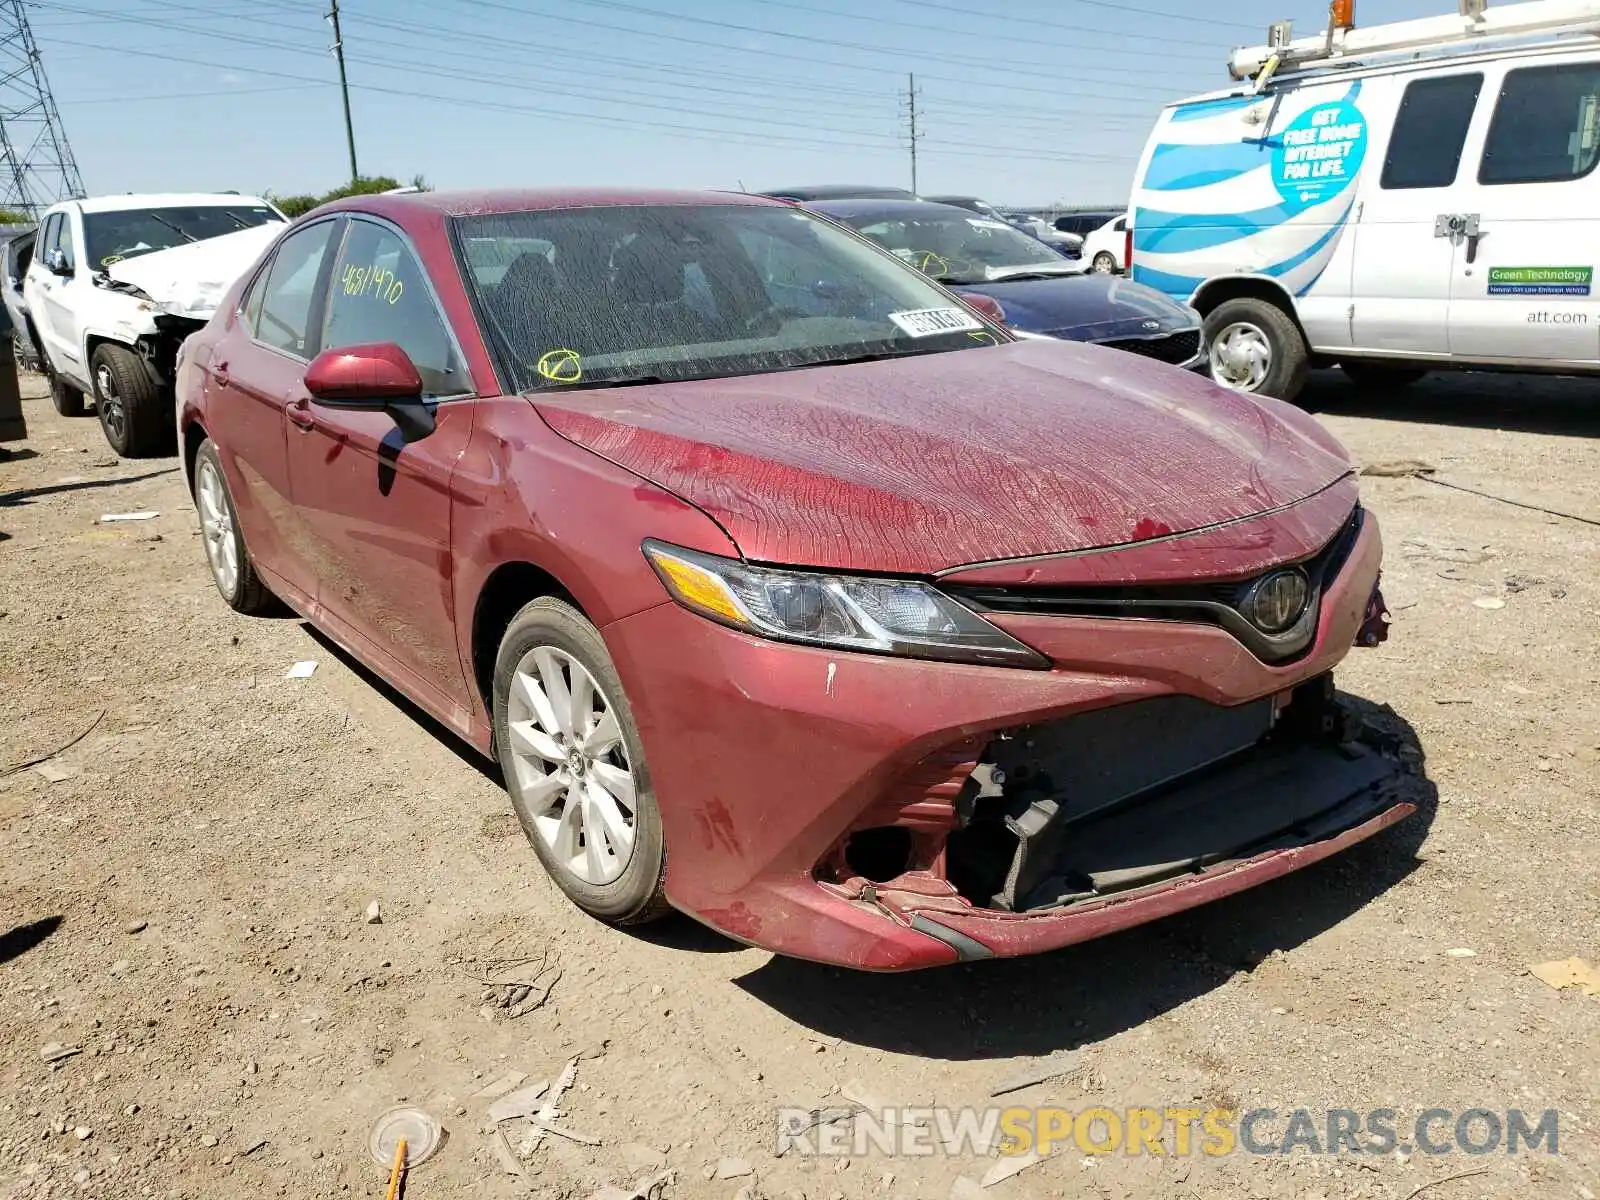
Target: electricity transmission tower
(36,164)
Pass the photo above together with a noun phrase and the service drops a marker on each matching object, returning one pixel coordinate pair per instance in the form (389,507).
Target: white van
(1394,199)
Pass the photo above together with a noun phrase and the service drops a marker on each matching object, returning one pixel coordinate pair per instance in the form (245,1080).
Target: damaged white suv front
(117,283)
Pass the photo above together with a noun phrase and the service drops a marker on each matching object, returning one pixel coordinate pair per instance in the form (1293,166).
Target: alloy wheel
(216,526)
(1241,356)
(109,403)
(1103,264)
(572,769)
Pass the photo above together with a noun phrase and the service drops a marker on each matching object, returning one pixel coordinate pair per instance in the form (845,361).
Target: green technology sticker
(1540,281)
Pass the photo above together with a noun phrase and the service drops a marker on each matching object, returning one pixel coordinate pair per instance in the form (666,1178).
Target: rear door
(1522,288)
(376,508)
(1400,279)
(254,371)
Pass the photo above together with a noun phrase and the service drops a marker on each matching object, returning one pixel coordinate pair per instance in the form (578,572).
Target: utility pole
(911,115)
(344,88)
(36,164)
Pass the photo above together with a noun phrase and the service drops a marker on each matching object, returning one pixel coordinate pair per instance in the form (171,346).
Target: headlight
(878,616)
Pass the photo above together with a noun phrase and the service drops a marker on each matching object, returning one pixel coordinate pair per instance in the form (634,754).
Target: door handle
(219,374)
(1473,239)
(300,415)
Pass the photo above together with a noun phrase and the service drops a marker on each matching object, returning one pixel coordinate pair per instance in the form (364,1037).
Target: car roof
(509,200)
(840,191)
(96,204)
(887,208)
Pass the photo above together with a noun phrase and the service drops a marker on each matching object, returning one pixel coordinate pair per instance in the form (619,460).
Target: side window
(58,236)
(251,308)
(289,289)
(1120,225)
(379,294)
(1429,131)
(1544,128)
(47,237)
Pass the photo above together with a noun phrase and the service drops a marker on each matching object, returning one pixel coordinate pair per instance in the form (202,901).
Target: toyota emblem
(1277,601)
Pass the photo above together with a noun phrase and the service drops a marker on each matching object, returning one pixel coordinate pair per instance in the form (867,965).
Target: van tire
(137,423)
(1380,374)
(1257,322)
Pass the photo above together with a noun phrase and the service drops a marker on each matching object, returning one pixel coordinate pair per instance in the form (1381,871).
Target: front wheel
(1256,347)
(1105,263)
(574,766)
(136,421)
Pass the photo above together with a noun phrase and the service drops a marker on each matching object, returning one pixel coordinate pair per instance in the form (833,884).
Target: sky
(1024,102)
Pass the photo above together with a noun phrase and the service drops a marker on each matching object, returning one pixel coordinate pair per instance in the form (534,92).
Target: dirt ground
(186,890)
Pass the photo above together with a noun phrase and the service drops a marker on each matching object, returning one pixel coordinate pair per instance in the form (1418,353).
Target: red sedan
(788,590)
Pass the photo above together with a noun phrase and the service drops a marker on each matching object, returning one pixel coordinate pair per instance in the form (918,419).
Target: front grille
(1176,348)
(1210,603)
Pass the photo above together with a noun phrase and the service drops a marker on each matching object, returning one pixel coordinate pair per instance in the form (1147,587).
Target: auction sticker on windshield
(925,322)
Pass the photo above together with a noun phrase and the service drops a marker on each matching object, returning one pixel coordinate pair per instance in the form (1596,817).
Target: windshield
(960,249)
(110,237)
(645,293)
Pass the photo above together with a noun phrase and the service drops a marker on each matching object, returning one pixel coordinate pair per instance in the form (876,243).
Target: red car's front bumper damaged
(891,813)
(1067,830)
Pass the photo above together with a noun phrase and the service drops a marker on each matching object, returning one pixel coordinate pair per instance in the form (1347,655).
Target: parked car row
(788,587)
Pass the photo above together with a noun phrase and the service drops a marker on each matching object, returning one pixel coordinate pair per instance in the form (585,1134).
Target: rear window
(643,293)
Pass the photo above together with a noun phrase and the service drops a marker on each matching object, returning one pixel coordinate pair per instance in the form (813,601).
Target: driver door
(48,298)
(375,508)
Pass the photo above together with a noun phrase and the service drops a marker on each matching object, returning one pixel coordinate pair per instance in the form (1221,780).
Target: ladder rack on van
(1342,43)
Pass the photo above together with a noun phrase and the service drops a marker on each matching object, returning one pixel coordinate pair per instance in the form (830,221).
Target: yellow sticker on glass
(560,366)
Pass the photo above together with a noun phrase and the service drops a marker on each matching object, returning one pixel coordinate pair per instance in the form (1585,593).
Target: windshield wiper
(621,381)
(183,233)
(959,280)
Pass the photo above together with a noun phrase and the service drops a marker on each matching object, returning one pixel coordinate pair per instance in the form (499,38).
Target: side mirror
(376,377)
(56,262)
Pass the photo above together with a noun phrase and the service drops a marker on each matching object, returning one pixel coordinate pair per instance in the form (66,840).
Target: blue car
(1042,293)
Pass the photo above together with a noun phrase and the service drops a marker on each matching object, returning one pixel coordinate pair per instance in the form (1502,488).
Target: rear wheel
(1377,374)
(1256,347)
(67,399)
(231,568)
(574,766)
(136,421)
(1105,263)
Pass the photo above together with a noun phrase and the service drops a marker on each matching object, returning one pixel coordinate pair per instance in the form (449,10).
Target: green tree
(364,185)
(14,216)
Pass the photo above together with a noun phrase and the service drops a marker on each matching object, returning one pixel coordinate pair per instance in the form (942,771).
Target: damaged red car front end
(892,813)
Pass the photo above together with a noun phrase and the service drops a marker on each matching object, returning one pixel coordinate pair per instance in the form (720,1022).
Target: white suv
(116,284)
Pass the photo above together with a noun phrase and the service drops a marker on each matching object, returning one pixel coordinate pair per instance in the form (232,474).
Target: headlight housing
(849,612)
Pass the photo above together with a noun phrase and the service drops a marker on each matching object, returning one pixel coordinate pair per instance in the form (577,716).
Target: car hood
(1086,308)
(190,280)
(923,464)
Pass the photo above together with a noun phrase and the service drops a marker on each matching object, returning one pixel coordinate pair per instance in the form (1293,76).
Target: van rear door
(1523,282)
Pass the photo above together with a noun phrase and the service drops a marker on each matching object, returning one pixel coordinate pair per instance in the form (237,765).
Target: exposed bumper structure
(845,808)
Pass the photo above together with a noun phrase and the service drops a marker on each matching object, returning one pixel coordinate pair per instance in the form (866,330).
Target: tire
(1105,263)
(547,769)
(1256,347)
(226,554)
(1378,374)
(67,399)
(137,421)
